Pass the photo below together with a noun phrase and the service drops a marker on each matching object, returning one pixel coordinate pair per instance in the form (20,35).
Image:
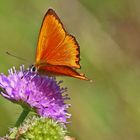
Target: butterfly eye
(33,68)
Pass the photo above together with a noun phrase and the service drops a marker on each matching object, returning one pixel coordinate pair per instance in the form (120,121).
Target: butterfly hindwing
(61,70)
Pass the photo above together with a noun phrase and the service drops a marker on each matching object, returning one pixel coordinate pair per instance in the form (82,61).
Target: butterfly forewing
(55,46)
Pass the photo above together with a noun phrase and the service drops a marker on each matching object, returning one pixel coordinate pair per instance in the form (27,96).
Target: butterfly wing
(57,52)
(55,46)
(61,70)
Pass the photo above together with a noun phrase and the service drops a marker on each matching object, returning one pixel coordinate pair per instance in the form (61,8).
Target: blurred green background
(109,36)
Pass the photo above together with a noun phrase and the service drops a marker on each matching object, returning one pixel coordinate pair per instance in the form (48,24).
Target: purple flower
(39,93)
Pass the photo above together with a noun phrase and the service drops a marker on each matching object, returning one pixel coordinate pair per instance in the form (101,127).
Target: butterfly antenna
(20,58)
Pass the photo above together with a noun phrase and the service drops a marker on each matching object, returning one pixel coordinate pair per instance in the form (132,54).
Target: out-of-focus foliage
(109,36)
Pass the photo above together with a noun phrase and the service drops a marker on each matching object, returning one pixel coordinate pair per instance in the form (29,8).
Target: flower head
(37,128)
(40,93)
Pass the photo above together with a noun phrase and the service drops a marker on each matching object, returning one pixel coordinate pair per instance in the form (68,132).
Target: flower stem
(22,117)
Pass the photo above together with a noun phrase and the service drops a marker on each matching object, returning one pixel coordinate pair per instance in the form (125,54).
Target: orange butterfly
(57,51)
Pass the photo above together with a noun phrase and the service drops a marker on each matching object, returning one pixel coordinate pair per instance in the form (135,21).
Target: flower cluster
(39,93)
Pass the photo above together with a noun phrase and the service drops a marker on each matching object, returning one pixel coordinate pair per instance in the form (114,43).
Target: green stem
(22,117)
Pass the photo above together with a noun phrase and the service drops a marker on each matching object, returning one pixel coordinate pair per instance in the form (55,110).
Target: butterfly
(57,52)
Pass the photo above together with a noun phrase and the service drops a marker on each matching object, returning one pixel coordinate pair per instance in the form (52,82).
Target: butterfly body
(57,52)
